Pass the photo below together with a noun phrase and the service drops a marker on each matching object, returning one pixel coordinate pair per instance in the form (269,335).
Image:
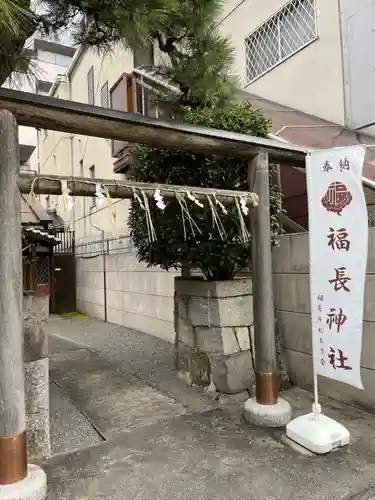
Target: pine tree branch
(12,44)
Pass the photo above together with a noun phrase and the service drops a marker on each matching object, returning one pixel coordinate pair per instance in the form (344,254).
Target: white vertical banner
(338,234)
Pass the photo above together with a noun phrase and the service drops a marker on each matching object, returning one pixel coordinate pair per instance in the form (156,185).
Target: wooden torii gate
(17,108)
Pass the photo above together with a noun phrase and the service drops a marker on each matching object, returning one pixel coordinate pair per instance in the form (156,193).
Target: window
(81,172)
(104,96)
(285,33)
(143,56)
(142,98)
(122,99)
(92,175)
(90,86)
(133,93)
(130,107)
(42,271)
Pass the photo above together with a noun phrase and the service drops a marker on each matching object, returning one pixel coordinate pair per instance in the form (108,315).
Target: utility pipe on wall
(104,266)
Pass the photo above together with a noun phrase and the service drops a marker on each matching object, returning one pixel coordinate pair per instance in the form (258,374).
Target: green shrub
(218,259)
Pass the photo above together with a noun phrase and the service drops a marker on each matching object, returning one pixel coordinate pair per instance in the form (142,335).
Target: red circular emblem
(336,198)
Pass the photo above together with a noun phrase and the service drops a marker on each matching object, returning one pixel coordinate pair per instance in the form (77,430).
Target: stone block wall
(292,302)
(213,323)
(137,297)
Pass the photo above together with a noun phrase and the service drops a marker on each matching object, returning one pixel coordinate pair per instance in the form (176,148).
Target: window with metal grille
(90,86)
(104,96)
(42,271)
(282,35)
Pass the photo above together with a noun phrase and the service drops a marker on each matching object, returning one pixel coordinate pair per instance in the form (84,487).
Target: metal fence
(96,245)
(67,243)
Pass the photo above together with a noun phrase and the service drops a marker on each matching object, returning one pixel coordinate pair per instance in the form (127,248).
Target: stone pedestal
(33,487)
(36,310)
(278,415)
(213,324)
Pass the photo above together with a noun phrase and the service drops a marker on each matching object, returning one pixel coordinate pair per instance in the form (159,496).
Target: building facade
(106,80)
(88,80)
(50,58)
(311,55)
(289,53)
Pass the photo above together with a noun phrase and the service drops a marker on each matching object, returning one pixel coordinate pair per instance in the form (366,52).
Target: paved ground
(124,426)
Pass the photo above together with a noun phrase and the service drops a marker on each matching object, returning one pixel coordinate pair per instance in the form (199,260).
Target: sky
(64,37)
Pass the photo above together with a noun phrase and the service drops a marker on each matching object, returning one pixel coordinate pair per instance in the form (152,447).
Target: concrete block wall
(292,302)
(138,297)
(90,286)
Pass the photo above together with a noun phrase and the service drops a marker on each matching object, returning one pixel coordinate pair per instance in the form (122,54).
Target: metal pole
(105,278)
(264,314)
(13,458)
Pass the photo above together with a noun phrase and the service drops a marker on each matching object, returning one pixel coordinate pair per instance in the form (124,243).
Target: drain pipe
(71,145)
(105,280)
(104,266)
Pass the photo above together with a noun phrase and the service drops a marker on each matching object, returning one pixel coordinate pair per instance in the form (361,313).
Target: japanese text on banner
(338,233)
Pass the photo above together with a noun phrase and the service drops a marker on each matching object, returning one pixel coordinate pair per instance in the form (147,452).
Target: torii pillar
(266,408)
(17,478)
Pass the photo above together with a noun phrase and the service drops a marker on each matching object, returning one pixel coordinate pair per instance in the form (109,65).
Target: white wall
(357,21)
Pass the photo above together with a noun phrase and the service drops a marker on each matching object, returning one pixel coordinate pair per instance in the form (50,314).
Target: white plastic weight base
(317,433)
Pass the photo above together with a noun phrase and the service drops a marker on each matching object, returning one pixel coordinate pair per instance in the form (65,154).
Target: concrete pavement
(124,426)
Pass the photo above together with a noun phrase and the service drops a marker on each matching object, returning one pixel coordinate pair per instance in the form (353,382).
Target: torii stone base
(36,365)
(33,487)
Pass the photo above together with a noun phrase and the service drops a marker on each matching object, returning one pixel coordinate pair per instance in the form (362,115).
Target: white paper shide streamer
(158,197)
(244,207)
(100,195)
(338,229)
(218,203)
(67,196)
(192,198)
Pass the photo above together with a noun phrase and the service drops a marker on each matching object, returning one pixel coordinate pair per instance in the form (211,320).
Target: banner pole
(316,407)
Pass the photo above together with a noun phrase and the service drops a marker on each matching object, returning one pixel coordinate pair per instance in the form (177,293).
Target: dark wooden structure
(38,242)
(48,256)
(64,294)
(39,111)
